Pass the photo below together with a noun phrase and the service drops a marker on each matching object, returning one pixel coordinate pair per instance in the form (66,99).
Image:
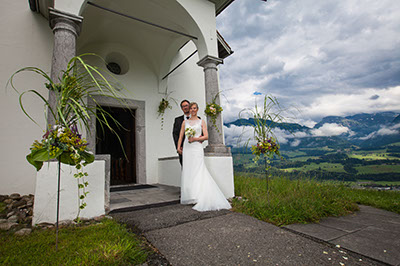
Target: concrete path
(372,232)
(188,237)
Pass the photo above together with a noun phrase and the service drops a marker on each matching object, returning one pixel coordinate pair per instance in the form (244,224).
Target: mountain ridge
(363,130)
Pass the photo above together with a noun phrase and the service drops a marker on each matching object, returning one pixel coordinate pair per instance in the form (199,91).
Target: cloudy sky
(319,57)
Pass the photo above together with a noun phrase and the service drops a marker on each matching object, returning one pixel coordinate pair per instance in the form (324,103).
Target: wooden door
(123,170)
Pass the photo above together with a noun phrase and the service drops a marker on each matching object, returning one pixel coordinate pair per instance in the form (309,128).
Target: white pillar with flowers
(218,157)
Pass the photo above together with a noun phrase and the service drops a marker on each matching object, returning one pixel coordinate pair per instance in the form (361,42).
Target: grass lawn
(304,201)
(106,243)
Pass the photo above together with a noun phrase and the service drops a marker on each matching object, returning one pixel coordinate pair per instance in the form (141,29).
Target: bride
(197,185)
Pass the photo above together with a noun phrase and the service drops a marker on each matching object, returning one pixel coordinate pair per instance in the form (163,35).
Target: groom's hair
(184,101)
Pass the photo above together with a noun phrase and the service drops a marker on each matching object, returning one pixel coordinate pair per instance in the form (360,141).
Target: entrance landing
(128,198)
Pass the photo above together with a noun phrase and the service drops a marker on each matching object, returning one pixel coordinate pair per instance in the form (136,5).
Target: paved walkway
(188,237)
(372,232)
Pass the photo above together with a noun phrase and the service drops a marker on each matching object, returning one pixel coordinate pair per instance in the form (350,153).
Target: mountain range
(360,130)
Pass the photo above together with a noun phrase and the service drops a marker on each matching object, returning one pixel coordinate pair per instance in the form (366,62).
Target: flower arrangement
(162,107)
(64,144)
(67,146)
(212,111)
(268,147)
(165,104)
(190,132)
(78,83)
(264,120)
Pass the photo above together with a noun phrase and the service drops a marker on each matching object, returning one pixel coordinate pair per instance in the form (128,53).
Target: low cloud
(391,130)
(238,136)
(384,131)
(295,143)
(329,129)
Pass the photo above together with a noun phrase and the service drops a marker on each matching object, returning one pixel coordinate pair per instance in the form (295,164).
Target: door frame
(140,130)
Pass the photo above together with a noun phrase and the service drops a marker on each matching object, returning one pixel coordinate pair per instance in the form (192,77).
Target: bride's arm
(205,132)
(179,149)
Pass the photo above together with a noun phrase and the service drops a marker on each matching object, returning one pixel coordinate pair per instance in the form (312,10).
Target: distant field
(242,158)
(331,167)
(300,157)
(292,154)
(321,149)
(303,158)
(371,156)
(383,183)
(377,169)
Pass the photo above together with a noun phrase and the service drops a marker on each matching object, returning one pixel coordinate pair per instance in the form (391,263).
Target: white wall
(142,84)
(203,12)
(26,40)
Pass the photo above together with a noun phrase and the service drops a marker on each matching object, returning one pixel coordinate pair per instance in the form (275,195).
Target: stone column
(66,28)
(216,146)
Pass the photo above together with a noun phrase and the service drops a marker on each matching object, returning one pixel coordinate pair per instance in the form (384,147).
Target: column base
(221,169)
(217,150)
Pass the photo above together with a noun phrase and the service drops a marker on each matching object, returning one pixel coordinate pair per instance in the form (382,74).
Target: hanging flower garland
(212,111)
(165,104)
(162,107)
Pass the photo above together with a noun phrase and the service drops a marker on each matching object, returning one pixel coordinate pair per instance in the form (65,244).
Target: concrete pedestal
(221,169)
(46,192)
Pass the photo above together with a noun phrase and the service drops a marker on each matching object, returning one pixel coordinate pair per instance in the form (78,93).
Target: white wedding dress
(197,185)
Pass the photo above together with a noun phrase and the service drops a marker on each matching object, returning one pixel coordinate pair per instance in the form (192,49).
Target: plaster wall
(202,13)
(26,40)
(142,84)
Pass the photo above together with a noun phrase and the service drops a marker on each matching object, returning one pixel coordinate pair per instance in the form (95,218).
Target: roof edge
(222,7)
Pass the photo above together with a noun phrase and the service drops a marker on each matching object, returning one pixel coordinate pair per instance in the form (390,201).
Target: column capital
(62,20)
(210,61)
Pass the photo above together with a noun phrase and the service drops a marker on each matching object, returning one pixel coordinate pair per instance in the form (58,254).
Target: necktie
(187,117)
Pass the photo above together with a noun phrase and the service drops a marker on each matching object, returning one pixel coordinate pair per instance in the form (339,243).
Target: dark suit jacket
(177,129)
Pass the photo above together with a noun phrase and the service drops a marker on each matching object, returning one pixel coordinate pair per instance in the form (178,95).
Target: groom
(178,124)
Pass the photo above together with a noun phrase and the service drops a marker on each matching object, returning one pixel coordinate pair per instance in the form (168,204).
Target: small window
(114,68)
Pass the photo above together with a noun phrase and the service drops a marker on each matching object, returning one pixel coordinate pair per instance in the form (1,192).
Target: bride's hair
(193,103)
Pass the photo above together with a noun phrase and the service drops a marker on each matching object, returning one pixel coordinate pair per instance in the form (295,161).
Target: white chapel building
(153,47)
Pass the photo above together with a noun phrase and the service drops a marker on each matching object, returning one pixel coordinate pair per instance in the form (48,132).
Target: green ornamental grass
(304,200)
(106,243)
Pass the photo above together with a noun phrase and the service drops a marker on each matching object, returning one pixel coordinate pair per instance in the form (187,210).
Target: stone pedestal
(66,28)
(216,146)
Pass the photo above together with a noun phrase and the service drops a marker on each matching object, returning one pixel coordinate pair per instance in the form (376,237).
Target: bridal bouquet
(190,132)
